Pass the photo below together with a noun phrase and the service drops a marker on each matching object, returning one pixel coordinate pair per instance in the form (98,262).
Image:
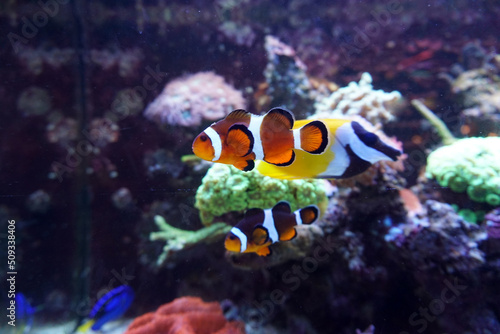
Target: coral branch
(177,239)
(438,124)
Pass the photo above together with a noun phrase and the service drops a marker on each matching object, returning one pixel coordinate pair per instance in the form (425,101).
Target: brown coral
(185,315)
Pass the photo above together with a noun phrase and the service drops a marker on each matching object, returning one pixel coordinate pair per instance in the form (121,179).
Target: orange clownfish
(242,137)
(260,228)
(350,151)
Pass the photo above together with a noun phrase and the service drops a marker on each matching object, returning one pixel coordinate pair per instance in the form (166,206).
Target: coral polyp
(470,165)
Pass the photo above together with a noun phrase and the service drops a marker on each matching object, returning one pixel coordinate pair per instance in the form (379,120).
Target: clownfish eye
(203,138)
(232,237)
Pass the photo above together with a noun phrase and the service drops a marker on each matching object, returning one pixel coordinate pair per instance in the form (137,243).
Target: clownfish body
(350,151)
(262,227)
(289,149)
(241,137)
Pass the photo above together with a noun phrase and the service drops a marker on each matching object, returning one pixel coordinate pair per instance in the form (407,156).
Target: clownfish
(350,151)
(289,149)
(241,137)
(262,227)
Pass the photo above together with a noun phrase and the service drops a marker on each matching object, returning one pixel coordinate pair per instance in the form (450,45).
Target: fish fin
(372,140)
(238,115)
(264,251)
(314,137)
(85,327)
(282,160)
(245,165)
(240,139)
(282,206)
(309,214)
(282,116)
(288,235)
(260,235)
(253,212)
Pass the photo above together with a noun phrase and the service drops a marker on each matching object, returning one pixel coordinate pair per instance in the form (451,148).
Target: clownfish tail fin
(307,215)
(313,137)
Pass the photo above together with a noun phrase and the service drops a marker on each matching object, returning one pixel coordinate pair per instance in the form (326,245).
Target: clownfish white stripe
(298,219)
(216,142)
(269,225)
(254,127)
(296,138)
(243,238)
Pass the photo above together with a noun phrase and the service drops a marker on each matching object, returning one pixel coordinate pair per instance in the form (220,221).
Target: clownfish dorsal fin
(245,165)
(282,116)
(260,235)
(282,206)
(314,137)
(240,139)
(238,116)
(308,215)
(254,212)
(284,159)
(264,251)
(288,235)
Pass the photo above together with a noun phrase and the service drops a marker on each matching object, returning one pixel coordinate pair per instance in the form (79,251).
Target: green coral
(225,189)
(470,165)
(177,239)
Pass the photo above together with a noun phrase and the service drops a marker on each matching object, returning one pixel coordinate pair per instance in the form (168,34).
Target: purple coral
(493,224)
(189,100)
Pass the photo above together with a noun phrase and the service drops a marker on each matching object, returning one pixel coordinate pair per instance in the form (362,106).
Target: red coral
(185,315)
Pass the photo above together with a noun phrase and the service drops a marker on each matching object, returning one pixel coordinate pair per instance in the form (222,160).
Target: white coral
(359,99)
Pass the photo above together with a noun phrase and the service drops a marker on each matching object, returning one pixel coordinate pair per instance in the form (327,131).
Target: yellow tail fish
(351,149)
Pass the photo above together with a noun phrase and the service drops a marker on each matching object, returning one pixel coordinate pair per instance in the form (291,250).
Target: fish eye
(203,138)
(232,237)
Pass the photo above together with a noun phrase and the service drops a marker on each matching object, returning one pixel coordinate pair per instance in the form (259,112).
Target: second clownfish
(261,228)
(242,137)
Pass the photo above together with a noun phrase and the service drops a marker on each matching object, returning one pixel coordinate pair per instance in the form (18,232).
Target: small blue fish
(24,313)
(109,307)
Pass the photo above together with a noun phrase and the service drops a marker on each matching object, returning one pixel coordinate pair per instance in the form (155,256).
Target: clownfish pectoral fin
(240,139)
(282,160)
(282,116)
(282,206)
(260,235)
(264,251)
(314,137)
(245,165)
(308,215)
